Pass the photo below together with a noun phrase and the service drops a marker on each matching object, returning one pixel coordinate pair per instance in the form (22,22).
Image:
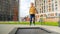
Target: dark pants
(32,18)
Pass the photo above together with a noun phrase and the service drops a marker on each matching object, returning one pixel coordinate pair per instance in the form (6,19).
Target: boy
(32,12)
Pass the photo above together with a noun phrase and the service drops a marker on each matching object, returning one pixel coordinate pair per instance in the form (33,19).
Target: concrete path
(6,28)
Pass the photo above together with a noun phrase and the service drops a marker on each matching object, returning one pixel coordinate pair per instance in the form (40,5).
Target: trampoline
(32,30)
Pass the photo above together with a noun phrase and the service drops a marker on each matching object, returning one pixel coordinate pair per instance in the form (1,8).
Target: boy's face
(32,4)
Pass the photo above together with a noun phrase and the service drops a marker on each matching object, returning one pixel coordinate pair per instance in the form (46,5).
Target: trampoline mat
(32,30)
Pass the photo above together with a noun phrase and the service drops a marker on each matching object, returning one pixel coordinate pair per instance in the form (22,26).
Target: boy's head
(32,4)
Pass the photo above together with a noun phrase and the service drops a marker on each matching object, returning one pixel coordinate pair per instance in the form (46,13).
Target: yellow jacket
(32,10)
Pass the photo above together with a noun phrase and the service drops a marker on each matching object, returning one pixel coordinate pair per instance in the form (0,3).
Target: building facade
(49,9)
(14,4)
(8,10)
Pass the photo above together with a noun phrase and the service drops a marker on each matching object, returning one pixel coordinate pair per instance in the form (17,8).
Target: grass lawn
(27,23)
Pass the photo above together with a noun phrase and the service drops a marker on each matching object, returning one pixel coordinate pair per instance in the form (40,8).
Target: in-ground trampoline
(33,30)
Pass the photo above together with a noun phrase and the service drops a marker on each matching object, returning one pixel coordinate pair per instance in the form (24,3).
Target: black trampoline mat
(31,30)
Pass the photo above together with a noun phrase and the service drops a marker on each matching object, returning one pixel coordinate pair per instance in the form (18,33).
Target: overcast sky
(24,7)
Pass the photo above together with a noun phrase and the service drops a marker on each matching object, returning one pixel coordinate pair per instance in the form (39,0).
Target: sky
(24,7)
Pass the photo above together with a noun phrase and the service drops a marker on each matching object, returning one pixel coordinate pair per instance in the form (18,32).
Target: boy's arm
(36,11)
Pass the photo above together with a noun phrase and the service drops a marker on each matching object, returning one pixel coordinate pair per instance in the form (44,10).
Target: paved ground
(7,28)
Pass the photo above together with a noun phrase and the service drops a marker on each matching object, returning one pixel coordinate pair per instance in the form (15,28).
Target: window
(49,0)
(56,14)
(49,9)
(42,11)
(0,9)
(56,5)
(52,7)
(44,1)
(52,0)
(56,8)
(55,1)
(0,6)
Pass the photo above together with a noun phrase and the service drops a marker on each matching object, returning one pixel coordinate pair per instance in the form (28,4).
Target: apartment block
(8,10)
(49,9)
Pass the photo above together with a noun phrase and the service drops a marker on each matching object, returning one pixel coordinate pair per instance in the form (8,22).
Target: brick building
(8,10)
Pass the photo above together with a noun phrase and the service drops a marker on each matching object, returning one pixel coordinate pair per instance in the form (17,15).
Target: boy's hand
(37,12)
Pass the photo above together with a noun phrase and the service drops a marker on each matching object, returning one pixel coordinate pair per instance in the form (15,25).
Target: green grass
(27,23)
(51,23)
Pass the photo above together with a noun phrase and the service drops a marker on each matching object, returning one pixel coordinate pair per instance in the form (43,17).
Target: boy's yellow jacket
(32,10)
